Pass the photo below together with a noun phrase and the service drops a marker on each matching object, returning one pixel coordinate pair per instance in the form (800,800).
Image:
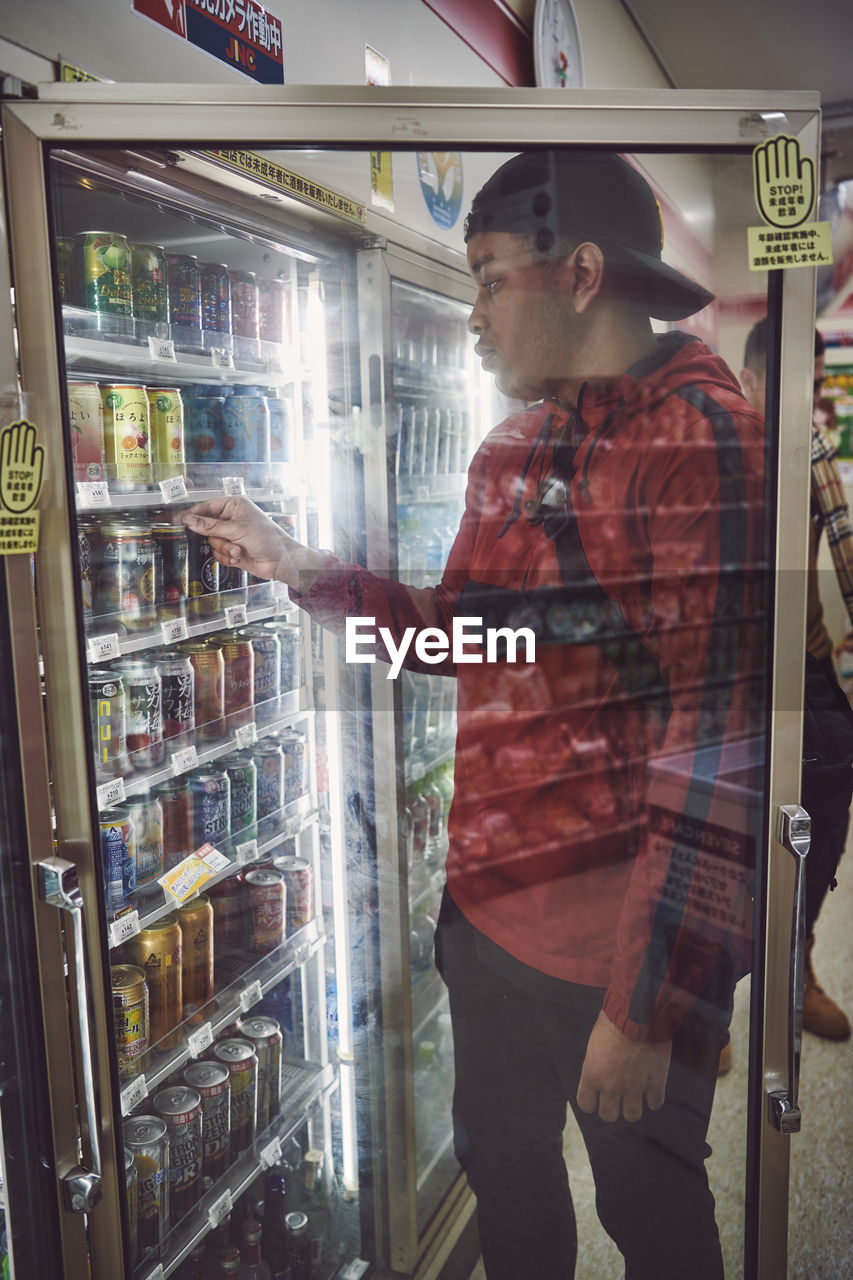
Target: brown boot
(821,1015)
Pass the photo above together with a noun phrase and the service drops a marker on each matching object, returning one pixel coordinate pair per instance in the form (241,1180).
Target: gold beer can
(130,1017)
(166,424)
(196,921)
(127,438)
(157,950)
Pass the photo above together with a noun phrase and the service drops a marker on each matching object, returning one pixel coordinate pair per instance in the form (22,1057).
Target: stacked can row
(432,440)
(157,829)
(104,272)
(136,436)
(142,706)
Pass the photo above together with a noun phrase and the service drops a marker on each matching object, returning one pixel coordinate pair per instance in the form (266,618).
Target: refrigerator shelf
(305,1085)
(229,1004)
(196,492)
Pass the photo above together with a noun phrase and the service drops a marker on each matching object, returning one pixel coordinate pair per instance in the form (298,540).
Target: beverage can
(294,746)
(130,1018)
(179,1106)
(144,726)
(86,418)
(166,425)
(299,878)
(265,1035)
(118,858)
(150,294)
(212,1081)
(177,678)
(203,437)
(108,709)
(196,920)
(172,551)
(215,297)
(157,950)
(243,777)
(127,439)
(272,310)
(266,893)
(104,270)
(202,576)
(175,798)
(211,793)
(184,285)
(239,677)
(227,897)
(244,304)
(290,642)
(208,666)
(281,428)
(266,648)
(146,1137)
(269,762)
(299,1245)
(126,582)
(146,814)
(240,1059)
(246,432)
(131,1186)
(87,533)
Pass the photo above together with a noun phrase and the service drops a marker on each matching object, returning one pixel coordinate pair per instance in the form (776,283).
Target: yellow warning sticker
(381,180)
(21,480)
(771,248)
(785,190)
(292,184)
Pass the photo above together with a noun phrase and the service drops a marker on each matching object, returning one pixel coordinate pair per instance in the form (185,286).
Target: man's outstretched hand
(621,1076)
(241,534)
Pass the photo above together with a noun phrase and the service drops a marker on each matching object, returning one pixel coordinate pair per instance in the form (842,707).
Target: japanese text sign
(241,33)
(784,184)
(21,479)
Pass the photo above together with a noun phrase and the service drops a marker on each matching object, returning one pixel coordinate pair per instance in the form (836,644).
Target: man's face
(526,329)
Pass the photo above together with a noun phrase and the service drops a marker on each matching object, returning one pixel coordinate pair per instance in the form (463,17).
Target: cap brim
(669,294)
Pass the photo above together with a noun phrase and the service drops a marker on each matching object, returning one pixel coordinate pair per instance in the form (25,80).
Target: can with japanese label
(196,920)
(130,1018)
(202,577)
(240,1059)
(150,294)
(212,1081)
(290,639)
(87,533)
(269,762)
(239,677)
(272,310)
(294,745)
(176,803)
(266,648)
(105,272)
(228,899)
(127,438)
(108,709)
(243,777)
(184,280)
(131,1186)
(265,1035)
(166,424)
(203,437)
(118,858)
(86,418)
(299,878)
(244,304)
(172,553)
(180,1107)
(233,585)
(215,297)
(211,793)
(246,437)
(178,681)
(281,428)
(146,1137)
(65,265)
(126,582)
(266,893)
(146,814)
(144,689)
(157,950)
(209,679)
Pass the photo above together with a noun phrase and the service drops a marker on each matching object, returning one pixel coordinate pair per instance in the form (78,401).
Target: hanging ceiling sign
(241,33)
(291,184)
(785,190)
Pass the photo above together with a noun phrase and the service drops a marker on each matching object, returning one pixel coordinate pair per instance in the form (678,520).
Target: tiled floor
(820,1220)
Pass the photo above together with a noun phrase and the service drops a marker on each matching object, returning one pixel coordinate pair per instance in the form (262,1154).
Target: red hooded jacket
(601,831)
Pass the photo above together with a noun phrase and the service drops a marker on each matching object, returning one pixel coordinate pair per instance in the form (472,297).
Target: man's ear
(587,274)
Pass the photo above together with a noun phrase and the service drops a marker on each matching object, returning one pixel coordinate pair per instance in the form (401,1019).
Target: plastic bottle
(421,944)
(435,829)
(253,1266)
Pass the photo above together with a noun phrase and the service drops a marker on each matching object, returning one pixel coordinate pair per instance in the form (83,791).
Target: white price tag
(174,629)
(111,792)
(184,760)
(271,1153)
(354,1270)
(247,852)
(93,493)
(234,486)
(161,348)
(123,928)
(250,996)
(221,358)
(282,604)
(104,648)
(219,1209)
(173,488)
(132,1095)
(236,616)
(200,1040)
(246,735)
(212,858)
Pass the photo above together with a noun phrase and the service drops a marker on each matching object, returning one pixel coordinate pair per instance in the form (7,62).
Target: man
(821,1015)
(597,906)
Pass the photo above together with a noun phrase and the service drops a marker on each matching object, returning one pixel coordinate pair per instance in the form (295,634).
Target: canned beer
(118,858)
(108,708)
(131,1186)
(203,437)
(272,310)
(104,269)
(212,1082)
(246,437)
(196,920)
(157,951)
(265,1035)
(269,762)
(172,551)
(144,691)
(202,576)
(146,1137)
(233,585)
(166,423)
(227,897)
(240,1059)
(281,428)
(86,416)
(294,745)
(130,1017)
(243,777)
(180,1108)
(211,793)
(244,304)
(146,814)
(266,893)
(238,676)
(150,295)
(126,582)
(184,280)
(127,440)
(178,680)
(299,878)
(87,532)
(215,297)
(176,803)
(290,639)
(266,648)
(208,666)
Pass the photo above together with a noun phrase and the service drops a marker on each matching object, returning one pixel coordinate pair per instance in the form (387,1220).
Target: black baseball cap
(593,196)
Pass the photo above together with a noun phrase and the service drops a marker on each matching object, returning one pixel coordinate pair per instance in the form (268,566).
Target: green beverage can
(150,292)
(127,437)
(166,425)
(105,272)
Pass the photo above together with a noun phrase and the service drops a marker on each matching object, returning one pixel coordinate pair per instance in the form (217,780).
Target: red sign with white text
(168,13)
(241,33)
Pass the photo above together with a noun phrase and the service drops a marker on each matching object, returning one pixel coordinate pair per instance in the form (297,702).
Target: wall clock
(557,58)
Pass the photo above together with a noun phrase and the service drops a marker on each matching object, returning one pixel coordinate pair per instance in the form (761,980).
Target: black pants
(519,1051)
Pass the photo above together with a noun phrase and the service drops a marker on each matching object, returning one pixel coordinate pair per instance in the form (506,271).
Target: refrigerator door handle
(60,888)
(794,832)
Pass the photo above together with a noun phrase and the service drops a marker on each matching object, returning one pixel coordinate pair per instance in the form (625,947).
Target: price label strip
(188,876)
(250,996)
(174,488)
(200,1041)
(125,927)
(184,760)
(233,486)
(104,648)
(220,1208)
(271,1153)
(174,630)
(132,1095)
(93,493)
(246,735)
(110,793)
